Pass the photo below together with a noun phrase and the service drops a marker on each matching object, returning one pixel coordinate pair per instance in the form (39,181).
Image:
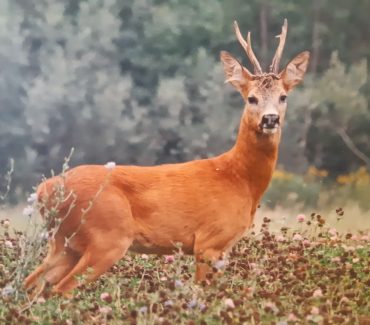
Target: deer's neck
(253,158)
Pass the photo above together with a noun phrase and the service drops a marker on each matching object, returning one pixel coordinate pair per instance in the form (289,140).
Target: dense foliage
(139,81)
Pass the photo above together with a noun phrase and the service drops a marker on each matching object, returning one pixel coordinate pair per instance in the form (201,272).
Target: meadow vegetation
(306,273)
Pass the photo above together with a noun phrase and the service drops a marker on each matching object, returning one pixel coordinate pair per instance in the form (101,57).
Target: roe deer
(206,205)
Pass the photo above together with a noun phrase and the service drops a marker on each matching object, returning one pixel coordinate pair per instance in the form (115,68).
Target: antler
(274,67)
(247,45)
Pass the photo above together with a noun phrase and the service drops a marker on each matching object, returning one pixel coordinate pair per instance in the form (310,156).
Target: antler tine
(274,67)
(248,48)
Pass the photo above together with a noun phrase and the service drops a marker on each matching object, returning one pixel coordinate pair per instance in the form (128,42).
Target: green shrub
(315,190)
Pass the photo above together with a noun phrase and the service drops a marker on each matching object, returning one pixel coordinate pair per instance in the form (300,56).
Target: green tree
(77,98)
(14,138)
(336,139)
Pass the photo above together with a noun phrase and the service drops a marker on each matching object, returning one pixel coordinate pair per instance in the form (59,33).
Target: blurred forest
(140,82)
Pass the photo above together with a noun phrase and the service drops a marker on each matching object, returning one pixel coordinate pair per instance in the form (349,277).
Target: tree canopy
(139,81)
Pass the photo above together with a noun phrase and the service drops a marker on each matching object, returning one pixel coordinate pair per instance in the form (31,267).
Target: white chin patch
(269,131)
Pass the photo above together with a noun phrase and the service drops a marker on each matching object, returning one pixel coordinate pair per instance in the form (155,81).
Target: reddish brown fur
(206,205)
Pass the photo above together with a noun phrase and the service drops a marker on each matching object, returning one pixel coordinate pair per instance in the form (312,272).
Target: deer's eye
(252,100)
(283,98)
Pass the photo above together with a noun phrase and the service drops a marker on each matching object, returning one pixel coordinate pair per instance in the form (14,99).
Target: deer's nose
(270,121)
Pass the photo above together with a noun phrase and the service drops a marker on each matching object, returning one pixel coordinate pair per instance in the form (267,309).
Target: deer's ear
(293,74)
(235,73)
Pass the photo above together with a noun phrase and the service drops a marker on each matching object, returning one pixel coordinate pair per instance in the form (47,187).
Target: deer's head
(265,94)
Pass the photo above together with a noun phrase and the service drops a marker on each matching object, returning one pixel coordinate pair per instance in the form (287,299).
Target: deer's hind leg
(32,279)
(95,261)
(56,265)
(104,239)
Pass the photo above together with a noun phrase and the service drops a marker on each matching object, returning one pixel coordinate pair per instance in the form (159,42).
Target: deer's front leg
(212,244)
(204,261)
(209,249)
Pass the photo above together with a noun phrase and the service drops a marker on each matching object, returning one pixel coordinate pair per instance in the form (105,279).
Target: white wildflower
(270,305)
(168,303)
(344,300)
(335,259)
(7,291)
(253,265)
(28,210)
(315,311)
(178,284)
(110,165)
(32,198)
(202,306)
(40,300)
(44,235)
(282,322)
(280,238)
(220,264)
(8,244)
(192,304)
(348,265)
(292,317)
(317,293)
(348,248)
(229,303)
(105,310)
